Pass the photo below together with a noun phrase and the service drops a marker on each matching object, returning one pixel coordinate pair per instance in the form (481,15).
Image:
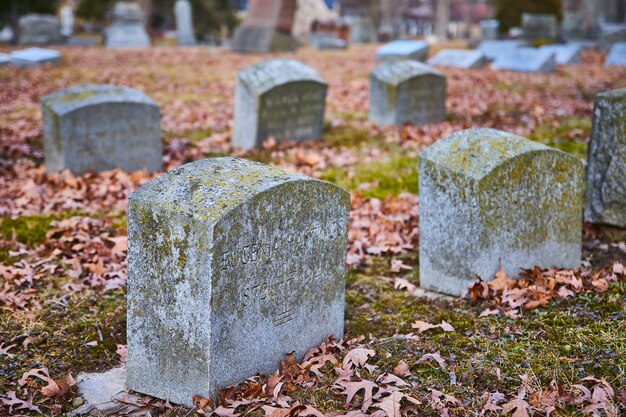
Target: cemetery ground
(554,340)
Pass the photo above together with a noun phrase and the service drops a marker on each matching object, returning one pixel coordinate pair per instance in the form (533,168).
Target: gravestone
(617,55)
(407,92)
(362,29)
(267,27)
(127,30)
(539,26)
(31,57)
(326,41)
(564,54)
(231,264)
(489,29)
(458,58)
(5,59)
(39,29)
(184,23)
(402,50)
(493,49)
(99,127)
(611,34)
(279,98)
(489,199)
(526,60)
(66,14)
(605,200)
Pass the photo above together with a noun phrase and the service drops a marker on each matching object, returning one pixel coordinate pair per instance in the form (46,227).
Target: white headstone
(617,55)
(184,23)
(458,58)
(526,60)
(67,21)
(493,49)
(564,54)
(127,30)
(31,57)
(401,50)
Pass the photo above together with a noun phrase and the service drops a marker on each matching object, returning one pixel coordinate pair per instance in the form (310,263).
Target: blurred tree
(210,17)
(94,10)
(509,12)
(11,10)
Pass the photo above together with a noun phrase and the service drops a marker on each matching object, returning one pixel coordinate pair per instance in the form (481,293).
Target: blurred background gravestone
(127,30)
(184,23)
(39,29)
(267,27)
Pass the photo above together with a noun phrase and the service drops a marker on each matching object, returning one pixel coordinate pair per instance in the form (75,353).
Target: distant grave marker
(184,23)
(526,60)
(267,27)
(127,30)
(231,265)
(31,57)
(99,127)
(407,92)
(605,201)
(402,50)
(279,98)
(616,56)
(494,48)
(564,54)
(490,198)
(489,29)
(458,58)
(39,29)
(537,26)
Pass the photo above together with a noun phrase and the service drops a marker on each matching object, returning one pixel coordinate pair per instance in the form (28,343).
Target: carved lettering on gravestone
(228,261)
(278,98)
(101,127)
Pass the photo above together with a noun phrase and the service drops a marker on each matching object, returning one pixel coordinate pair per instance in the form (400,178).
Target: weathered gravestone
(605,200)
(617,55)
(39,29)
(402,50)
(279,98)
(127,30)
(490,198)
(184,23)
(267,27)
(99,127)
(493,49)
(231,265)
(407,92)
(610,34)
(458,58)
(489,29)
(526,60)
(564,54)
(539,26)
(326,41)
(31,57)
(362,29)
(5,59)
(66,18)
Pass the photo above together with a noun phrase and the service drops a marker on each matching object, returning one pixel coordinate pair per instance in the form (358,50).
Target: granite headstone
(279,98)
(231,265)
(489,29)
(605,200)
(617,55)
(184,23)
(267,28)
(526,60)
(407,92)
(567,54)
(99,127)
(39,29)
(31,57)
(539,26)
(493,49)
(127,30)
(458,58)
(401,50)
(489,199)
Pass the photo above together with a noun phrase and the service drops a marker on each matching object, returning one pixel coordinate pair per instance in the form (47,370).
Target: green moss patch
(568,134)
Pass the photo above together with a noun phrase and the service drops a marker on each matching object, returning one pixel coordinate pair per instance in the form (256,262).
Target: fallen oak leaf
(521,407)
(358,356)
(402,369)
(423,326)
(58,387)
(12,400)
(403,284)
(391,404)
(435,356)
(351,388)
(41,373)
(282,412)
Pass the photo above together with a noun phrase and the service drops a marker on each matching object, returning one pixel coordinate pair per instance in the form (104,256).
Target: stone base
(262,40)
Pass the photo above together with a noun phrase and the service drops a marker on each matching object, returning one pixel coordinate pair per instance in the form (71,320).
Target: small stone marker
(31,57)
(267,28)
(489,29)
(99,127)
(605,201)
(617,55)
(564,54)
(279,98)
(407,92)
(362,29)
(539,26)
(5,59)
(326,41)
(184,23)
(458,58)
(402,50)
(127,30)
(526,60)
(490,198)
(231,265)
(66,15)
(493,49)
(39,29)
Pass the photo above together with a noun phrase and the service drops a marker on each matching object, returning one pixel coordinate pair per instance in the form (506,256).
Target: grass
(569,134)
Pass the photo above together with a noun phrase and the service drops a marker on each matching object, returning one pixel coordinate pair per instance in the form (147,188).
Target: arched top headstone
(397,72)
(266,75)
(71,99)
(210,188)
(475,153)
